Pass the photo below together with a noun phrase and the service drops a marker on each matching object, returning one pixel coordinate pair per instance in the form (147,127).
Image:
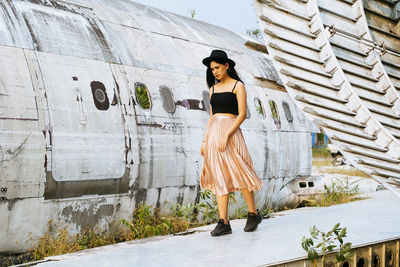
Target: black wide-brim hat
(218,54)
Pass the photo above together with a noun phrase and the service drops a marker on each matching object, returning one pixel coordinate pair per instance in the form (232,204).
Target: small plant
(327,242)
(144,224)
(54,245)
(340,191)
(192,12)
(207,208)
(187,212)
(255,33)
(241,212)
(58,241)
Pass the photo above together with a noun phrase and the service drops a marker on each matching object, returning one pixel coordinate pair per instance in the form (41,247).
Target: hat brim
(207,60)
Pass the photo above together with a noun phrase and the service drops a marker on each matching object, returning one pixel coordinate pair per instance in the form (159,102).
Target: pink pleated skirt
(229,170)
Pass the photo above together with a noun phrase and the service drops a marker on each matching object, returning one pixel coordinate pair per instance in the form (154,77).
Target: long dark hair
(211,80)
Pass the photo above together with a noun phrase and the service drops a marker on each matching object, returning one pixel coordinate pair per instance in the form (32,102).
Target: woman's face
(219,70)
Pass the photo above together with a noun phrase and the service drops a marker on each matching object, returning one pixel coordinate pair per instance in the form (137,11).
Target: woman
(227,164)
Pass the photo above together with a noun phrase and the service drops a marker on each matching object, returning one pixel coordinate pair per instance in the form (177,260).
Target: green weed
(327,242)
(340,191)
(145,224)
(321,152)
(206,211)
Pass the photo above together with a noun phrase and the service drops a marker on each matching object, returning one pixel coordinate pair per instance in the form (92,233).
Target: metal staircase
(384,29)
(331,68)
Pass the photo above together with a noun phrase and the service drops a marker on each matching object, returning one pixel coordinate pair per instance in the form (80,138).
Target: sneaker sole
(224,233)
(255,228)
(251,230)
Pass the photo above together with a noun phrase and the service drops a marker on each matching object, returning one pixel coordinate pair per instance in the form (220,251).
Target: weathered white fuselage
(75,145)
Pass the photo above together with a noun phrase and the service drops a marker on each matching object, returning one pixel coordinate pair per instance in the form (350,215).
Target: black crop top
(224,102)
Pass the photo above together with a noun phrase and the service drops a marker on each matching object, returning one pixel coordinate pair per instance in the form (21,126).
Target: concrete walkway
(276,239)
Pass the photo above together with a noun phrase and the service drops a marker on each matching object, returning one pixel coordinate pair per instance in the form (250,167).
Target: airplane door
(86,128)
(21,137)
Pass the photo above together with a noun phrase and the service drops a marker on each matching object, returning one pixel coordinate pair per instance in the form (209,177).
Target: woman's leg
(249,197)
(223,207)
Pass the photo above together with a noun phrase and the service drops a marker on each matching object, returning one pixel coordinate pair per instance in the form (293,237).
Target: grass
(322,159)
(59,241)
(349,172)
(206,211)
(338,192)
(321,162)
(144,223)
(325,166)
(321,152)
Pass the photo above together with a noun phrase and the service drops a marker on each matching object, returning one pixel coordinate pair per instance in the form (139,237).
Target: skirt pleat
(229,170)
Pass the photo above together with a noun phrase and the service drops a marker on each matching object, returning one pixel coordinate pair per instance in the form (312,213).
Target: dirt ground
(325,166)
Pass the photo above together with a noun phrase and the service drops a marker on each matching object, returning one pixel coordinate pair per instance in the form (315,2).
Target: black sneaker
(252,221)
(221,228)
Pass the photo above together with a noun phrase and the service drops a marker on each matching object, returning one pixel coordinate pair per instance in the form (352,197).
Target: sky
(237,15)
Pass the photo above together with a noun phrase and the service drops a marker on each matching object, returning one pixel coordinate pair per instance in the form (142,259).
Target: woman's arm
(241,97)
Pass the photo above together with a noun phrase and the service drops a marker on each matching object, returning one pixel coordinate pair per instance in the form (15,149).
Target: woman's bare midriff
(230,114)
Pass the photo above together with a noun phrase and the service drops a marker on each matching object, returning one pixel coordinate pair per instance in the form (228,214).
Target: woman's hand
(223,143)
(202,148)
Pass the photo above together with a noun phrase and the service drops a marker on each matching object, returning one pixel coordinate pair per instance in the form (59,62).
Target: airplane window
(275,114)
(259,107)
(287,111)
(99,95)
(167,99)
(142,95)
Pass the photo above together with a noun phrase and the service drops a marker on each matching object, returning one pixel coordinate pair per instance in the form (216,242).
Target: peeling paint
(11,202)
(87,217)
(190,104)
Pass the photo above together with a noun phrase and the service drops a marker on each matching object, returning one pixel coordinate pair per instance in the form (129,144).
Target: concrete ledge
(277,239)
